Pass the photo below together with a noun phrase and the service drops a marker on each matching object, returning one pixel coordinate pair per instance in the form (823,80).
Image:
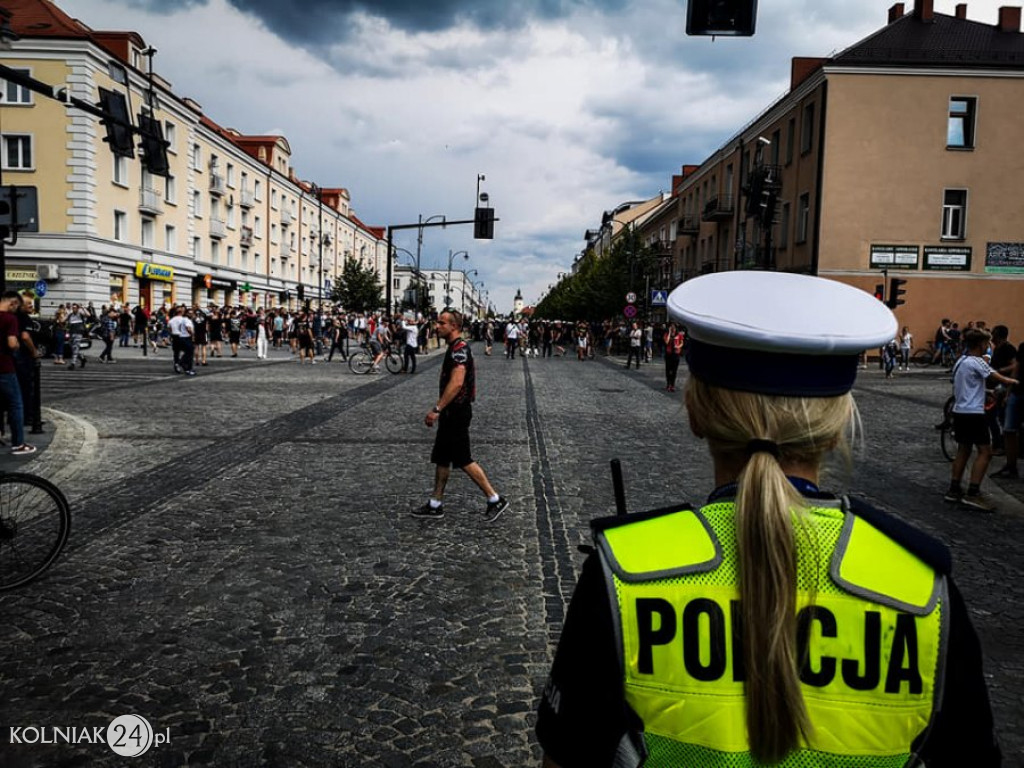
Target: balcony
(218,229)
(662,247)
(247,199)
(719,208)
(217,185)
(286,251)
(150,202)
(689,225)
(286,217)
(245,237)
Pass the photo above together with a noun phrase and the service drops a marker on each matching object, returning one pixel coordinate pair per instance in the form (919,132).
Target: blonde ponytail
(804,430)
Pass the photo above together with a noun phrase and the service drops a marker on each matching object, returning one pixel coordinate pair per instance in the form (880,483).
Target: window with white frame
(231,255)
(197,248)
(257,190)
(231,216)
(231,175)
(215,251)
(17,94)
(257,228)
(197,157)
(803,213)
(147,180)
(245,260)
(954,214)
(147,231)
(17,153)
(197,203)
(273,199)
(120,225)
(121,170)
(170,190)
(170,239)
(171,137)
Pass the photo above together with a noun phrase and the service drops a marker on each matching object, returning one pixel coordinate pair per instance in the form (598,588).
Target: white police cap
(778,333)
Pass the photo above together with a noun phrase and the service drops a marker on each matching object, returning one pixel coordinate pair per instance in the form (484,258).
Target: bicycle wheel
(34,523)
(393,361)
(922,358)
(360,362)
(948,443)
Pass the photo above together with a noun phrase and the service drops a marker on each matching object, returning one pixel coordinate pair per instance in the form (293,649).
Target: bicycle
(947,439)
(35,519)
(925,356)
(361,361)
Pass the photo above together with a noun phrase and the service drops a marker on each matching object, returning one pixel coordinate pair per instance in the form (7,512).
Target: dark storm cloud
(313,22)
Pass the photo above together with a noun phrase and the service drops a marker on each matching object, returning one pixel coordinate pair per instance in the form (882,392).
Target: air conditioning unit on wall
(48,272)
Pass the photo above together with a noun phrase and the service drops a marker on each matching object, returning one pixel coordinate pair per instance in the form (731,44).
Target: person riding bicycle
(379,343)
(942,340)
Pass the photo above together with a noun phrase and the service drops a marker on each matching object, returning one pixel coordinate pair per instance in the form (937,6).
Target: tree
(358,289)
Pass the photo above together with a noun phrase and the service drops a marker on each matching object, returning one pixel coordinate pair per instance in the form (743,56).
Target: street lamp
(419,248)
(320,240)
(462,289)
(416,276)
(448,282)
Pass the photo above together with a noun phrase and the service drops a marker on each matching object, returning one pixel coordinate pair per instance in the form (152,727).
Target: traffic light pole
(418,225)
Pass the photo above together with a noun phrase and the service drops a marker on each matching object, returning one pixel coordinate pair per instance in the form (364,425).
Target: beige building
(229,224)
(898,157)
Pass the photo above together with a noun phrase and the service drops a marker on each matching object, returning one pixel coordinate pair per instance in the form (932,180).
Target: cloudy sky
(568,107)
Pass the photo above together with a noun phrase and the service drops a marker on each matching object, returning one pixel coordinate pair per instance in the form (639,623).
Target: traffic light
(118,123)
(483,224)
(880,291)
(154,148)
(721,17)
(896,290)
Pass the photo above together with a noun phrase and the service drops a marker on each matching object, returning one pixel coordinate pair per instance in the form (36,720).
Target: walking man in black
(453,414)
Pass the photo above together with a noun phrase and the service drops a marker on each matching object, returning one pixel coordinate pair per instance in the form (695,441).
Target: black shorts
(971,429)
(451,446)
(235,336)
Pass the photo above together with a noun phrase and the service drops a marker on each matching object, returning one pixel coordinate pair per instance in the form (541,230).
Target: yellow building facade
(230,224)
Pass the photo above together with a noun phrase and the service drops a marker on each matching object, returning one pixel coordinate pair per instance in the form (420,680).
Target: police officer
(776,624)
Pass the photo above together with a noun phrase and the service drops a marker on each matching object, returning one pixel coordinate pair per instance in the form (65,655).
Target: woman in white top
(906,341)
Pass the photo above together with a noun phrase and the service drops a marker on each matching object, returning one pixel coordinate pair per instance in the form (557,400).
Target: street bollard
(37,406)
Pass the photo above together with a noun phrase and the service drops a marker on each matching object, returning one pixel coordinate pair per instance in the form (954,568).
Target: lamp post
(462,297)
(448,282)
(415,276)
(419,247)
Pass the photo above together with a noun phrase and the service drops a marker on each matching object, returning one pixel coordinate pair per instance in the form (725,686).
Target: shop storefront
(209,289)
(156,285)
(118,290)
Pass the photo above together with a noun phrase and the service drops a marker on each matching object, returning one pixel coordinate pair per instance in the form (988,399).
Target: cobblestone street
(243,570)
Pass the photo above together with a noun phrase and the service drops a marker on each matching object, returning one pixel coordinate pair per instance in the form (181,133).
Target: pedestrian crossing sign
(659,298)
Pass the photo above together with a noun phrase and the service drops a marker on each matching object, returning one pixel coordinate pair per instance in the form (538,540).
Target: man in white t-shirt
(511,340)
(970,428)
(176,327)
(411,332)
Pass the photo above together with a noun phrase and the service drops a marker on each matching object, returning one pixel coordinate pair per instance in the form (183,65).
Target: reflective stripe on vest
(870,626)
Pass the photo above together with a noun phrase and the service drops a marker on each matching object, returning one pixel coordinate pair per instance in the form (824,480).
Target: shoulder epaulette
(925,546)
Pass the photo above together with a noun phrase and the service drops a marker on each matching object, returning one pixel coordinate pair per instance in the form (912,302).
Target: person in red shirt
(9,388)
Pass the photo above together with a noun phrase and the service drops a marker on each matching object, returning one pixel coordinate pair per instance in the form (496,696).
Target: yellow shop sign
(148,271)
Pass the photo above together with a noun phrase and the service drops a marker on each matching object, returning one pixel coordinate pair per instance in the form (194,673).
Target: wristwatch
(436,409)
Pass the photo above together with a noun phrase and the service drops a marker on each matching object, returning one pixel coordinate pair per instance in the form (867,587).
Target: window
(171,137)
(197,203)
(121,170)
(257,229)
(960,128)
(784,228)
(17,94)
(147,180)
(954,214)
(197,157)
(776,149)
(807,130)
(18,153)
(231,255)
(790,139)
(273,198)
(197,248)
(215,251)
(147,232)
(728,179)
(170,190)
(120,225)
(231,175)
(257,190)
(170,239)
(803,212)
(231,216)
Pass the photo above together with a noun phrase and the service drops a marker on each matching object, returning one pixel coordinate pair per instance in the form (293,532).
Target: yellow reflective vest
(871,629)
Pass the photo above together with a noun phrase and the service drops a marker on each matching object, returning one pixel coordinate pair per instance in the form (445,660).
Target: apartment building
(229,224)
(455,289)
(897,157)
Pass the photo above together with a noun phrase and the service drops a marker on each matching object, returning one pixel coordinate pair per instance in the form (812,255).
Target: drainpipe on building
(820,179)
